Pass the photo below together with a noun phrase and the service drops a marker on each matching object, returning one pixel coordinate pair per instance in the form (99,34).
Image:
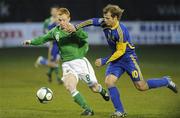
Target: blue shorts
(128,64)
(54,52)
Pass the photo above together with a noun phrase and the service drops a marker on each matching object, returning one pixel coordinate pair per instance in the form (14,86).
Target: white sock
(74,92)
(100,88)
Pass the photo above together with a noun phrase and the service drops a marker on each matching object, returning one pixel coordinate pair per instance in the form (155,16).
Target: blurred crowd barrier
(142,33)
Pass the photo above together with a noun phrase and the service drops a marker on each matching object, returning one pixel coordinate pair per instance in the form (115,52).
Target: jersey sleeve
(104,60)
(120,50)
(90,22)
(43,39)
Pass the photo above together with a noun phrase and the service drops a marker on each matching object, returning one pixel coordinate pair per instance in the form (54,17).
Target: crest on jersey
(57,37)
(110,36)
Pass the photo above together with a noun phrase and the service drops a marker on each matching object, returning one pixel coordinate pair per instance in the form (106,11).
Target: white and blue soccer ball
(44,94)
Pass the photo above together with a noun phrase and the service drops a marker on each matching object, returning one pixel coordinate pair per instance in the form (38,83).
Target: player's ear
(69,19)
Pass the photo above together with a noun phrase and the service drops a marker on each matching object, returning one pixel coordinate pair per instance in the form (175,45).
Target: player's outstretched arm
(90,22)
(39,40)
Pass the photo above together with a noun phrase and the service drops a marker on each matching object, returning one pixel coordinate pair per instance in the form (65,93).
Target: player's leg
(70,80)
(115,96)
(55,58)
(44,61)
(113,72)
(88,76)
(49,74)
(52,67)
(97,88)
(40,61)
(54,61)
(162,82)
(58,78)
(142,85)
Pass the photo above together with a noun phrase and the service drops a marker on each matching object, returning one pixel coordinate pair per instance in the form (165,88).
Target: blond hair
(115,10)
(62,11)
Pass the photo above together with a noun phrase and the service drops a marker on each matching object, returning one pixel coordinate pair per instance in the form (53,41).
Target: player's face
(63,20)
(109,20)
(53,12)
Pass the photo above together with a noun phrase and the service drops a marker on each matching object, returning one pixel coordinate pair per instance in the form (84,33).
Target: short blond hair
(62,11)
(115,10)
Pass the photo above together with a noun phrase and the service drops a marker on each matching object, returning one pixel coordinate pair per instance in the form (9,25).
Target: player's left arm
(120,50)
(101,61)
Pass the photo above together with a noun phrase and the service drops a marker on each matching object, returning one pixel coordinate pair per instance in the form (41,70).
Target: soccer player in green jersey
(73,48)
(52,62)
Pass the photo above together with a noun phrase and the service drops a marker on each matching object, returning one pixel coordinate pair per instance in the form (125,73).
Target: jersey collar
(116,25)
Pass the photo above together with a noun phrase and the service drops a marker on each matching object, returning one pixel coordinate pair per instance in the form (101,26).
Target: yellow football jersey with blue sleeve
(117,37)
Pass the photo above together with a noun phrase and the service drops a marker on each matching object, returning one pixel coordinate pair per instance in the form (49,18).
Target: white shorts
(82,70)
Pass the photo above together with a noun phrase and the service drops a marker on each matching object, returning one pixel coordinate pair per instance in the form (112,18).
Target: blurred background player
(123,57)
(53,53)
(73,48)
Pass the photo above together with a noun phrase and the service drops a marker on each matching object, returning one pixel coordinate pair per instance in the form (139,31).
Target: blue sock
(43,61)
(156,83)
(115,98)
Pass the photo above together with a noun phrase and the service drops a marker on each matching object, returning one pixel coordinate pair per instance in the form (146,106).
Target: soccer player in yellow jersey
(123,57)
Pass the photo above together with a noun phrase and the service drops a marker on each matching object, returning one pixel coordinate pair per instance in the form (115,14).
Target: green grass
(19,81)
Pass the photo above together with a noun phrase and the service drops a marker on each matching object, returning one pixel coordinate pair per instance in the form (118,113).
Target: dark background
(38,10)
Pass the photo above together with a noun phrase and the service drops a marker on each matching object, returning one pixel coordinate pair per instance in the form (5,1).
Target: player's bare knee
(66,85)
(141,86)
(110,82)
(70,87)
(70,82)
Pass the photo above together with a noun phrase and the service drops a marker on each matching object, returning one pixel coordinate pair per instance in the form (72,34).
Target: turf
(19,81)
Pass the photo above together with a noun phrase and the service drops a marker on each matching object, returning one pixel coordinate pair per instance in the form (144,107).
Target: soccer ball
(44,94)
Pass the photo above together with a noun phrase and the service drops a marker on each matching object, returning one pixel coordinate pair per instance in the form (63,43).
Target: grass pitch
(19,81)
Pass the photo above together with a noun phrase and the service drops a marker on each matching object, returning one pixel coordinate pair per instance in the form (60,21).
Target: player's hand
(26,42)
(98,62)
(70,28)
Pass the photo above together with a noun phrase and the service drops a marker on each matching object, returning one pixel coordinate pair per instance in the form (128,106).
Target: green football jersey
(71,45)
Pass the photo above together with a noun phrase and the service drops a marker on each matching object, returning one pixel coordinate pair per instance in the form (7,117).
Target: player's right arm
(40,40)
(90,22)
